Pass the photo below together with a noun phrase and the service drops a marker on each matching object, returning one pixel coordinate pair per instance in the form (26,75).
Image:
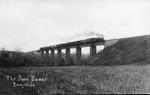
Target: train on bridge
(48,53)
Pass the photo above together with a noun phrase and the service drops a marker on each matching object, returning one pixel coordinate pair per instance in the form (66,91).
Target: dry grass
(84,80)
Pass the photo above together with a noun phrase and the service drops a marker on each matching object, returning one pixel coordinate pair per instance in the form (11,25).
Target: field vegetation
(80,80)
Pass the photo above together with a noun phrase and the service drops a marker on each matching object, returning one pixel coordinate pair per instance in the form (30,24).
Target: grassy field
(76,79)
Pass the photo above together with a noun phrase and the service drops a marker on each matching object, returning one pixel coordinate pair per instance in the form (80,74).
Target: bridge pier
(59,56)
(52,57)
(59,53)
(78,54)
(92,49)
(42,57)
(47,57)
(67,61)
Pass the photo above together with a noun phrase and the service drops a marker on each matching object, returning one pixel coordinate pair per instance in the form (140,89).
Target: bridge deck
(81,43)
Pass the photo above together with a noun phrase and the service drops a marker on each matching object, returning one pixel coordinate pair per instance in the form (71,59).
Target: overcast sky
(30,24)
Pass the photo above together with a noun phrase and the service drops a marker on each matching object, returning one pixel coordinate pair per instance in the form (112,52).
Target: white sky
(30,24)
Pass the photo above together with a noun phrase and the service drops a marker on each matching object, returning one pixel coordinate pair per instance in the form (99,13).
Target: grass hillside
(133,50)
(79,80)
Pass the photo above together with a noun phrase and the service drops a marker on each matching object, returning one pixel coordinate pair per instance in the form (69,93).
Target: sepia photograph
(50,47)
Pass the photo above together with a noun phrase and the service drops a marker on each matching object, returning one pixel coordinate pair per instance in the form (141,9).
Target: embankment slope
(133,50)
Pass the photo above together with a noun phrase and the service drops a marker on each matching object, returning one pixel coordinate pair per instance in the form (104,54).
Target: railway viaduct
(49,52)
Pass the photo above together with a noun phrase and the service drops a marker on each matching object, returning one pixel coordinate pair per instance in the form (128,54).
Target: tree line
(21,59)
